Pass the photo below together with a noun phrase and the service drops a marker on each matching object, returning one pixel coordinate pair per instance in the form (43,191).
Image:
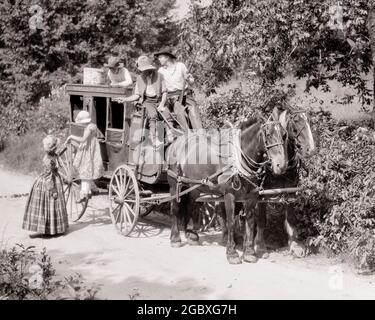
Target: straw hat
(83,117)
(50,143)
(144,63)
(113,62)
(166,51)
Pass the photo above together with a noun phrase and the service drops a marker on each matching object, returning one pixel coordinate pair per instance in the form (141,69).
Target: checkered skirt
(43,213)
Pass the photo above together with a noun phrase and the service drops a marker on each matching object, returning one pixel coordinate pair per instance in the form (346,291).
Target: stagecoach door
(117,132)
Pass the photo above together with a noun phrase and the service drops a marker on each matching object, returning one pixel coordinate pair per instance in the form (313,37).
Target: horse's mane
(249,122)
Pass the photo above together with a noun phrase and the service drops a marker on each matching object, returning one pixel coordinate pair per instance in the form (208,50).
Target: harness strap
(207,181)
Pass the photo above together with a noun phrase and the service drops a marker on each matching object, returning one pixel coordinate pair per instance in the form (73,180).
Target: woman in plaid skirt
(45,211)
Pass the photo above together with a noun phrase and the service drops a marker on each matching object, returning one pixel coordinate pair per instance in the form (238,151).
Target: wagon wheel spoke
(129,211)
(118,212)
(117,183)
(116,191)
(126,187)
(130,191)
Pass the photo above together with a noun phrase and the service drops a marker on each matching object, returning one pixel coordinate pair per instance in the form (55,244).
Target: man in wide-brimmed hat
(117,73)
(177,78)
(150,91)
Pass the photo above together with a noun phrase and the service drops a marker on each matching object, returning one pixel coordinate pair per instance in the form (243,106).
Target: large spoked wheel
(72,185)
(124,199)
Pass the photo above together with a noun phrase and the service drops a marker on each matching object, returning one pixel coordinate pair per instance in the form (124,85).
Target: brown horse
(237,156)
(300,144)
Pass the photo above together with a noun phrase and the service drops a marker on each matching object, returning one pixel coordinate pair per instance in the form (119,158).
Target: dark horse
(300,144)
(236,155)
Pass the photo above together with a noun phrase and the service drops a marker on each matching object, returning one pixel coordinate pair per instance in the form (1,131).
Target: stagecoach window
(77,105)
(116,115)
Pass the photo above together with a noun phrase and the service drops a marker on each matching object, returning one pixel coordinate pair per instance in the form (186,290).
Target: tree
(269,39)
(72,34)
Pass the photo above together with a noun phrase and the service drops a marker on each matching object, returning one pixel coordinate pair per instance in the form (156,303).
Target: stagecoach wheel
(72,187)
(72,196)
(124,199)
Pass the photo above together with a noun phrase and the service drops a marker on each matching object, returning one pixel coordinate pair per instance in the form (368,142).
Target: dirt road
(144,266)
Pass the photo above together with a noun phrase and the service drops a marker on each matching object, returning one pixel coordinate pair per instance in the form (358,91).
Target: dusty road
(144,266)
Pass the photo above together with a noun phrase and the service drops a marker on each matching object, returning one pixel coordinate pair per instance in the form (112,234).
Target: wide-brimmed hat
(113,62)
(83,117)
(166,51)
(144,63)
(50,143)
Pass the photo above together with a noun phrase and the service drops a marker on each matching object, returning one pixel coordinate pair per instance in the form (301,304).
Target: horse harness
(241,166)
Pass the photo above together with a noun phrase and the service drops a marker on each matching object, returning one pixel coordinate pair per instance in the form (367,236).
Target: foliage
(269,39)
(338,207)
(26,275)
(23,153)
(238,104)
(74,34)
(52,113)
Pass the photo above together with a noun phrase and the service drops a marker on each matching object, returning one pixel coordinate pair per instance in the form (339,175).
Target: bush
(241,103)
(26,275)
(24,152)
(52,114)
(337,209)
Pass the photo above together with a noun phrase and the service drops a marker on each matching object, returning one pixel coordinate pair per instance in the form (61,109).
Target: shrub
(337,209)
(26,275)
(241,103)
(52,114)
(24,152)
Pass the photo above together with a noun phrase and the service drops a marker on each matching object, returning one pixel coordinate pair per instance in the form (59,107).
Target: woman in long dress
(45,211)
(87,163)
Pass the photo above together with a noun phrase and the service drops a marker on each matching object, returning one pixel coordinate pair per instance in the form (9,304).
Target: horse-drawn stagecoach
(136,181)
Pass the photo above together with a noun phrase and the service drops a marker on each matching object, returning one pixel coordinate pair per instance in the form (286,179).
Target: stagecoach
(135,184)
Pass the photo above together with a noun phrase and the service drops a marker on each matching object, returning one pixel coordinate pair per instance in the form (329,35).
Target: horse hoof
(176,244)
(265,255)
(297,250)
(192,242)
(261,252)
(234,259)
(250,258)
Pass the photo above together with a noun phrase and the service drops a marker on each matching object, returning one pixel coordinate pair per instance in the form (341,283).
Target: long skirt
(43,213)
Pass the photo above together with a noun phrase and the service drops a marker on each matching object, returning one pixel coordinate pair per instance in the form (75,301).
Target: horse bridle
(269,146)
(303,127)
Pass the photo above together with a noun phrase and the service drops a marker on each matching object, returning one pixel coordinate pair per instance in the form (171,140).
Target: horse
(300,145)
(249,149)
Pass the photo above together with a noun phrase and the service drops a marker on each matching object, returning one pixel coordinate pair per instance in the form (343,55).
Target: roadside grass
(23,153)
